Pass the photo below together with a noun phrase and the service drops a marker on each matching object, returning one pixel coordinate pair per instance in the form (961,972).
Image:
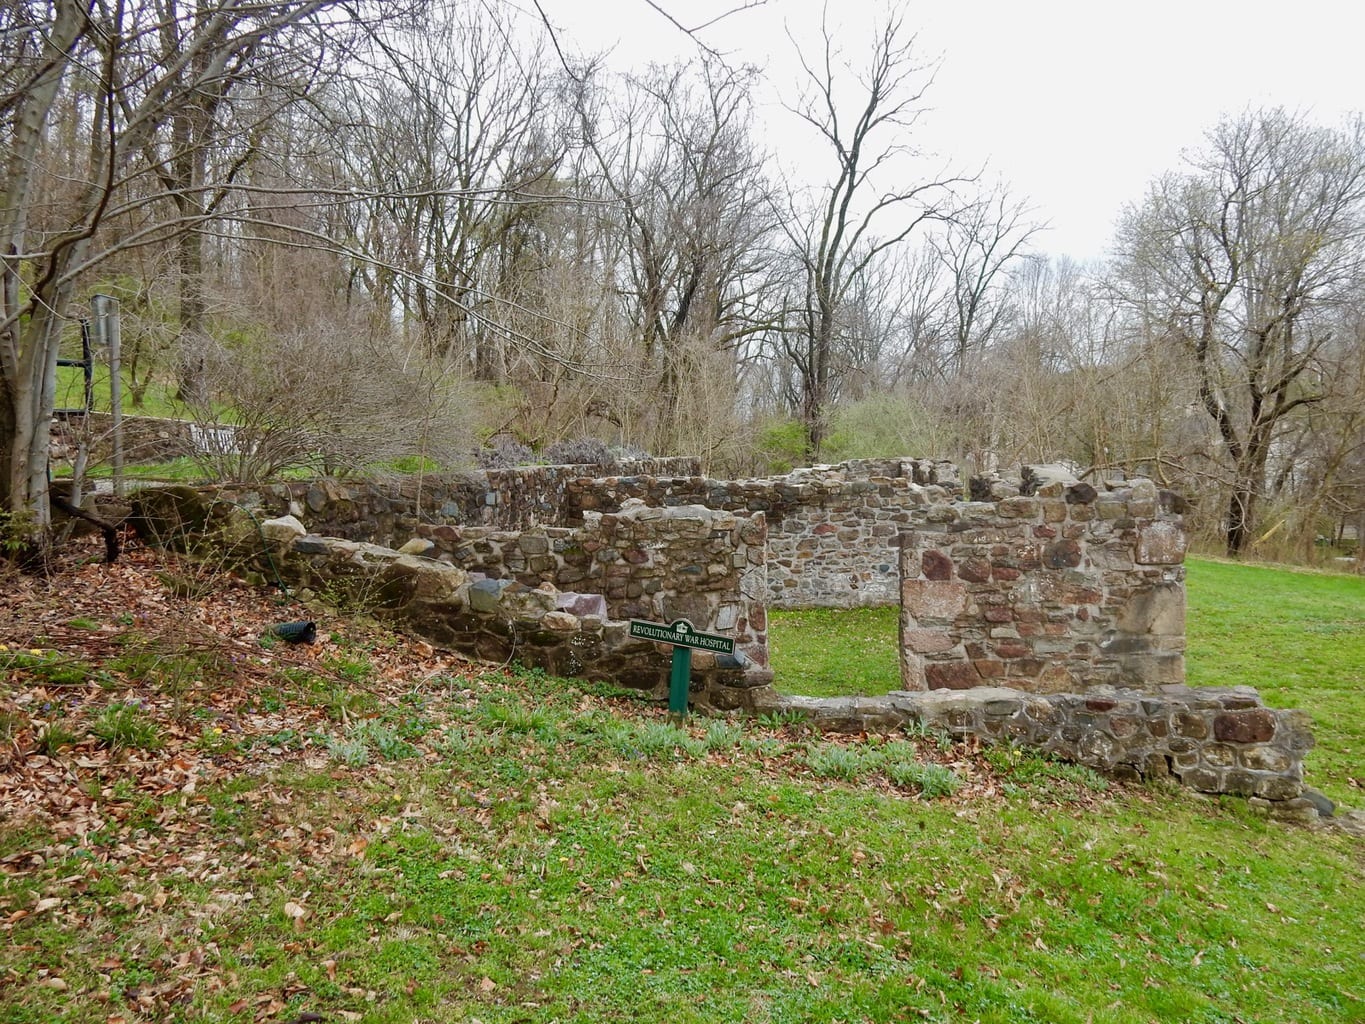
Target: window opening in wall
(835,652)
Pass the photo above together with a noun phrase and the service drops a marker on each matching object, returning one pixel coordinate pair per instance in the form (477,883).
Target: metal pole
(106,309)
(679,681)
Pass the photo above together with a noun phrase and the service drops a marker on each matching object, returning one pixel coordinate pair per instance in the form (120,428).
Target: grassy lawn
(365,830)
(158,400)
(1298,637)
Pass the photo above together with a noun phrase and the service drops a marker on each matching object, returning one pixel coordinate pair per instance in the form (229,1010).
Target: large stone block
(951,675)
(1161,543)
(1256,726)
(933,600)
(1159,610)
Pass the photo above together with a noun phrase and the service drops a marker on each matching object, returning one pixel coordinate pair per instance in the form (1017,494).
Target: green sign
(681,634)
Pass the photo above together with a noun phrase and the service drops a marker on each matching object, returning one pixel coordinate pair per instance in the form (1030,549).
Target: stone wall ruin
(1047,611)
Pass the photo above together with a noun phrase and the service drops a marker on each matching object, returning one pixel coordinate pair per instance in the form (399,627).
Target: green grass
(835,652)
(158,399)
(523,849)
(551,871)
(1297,637)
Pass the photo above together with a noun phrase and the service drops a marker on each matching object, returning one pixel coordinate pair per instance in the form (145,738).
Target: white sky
(1076,104)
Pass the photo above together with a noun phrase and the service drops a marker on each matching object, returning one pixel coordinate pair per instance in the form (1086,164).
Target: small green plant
(382,740)
(458,742)
(354,669)
(721,735)
(16,529)
(788,719)
(650,739)
(82,623)
(349,751)
(126,727)
(515,718)
(932,780)
(51,667)
(54,737)
(831,760)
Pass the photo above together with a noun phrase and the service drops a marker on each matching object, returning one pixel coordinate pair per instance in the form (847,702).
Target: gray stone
(283,531)
(484,595)
(1161,543)
(1325,807)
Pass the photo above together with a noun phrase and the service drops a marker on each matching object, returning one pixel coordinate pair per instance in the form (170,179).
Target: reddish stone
(1123,726)
(1004,573)
(937,566)
(1044,532)
(1256,726)
(974,570)
(951,675)
(1062,554)
(1012,649)
(989,669)
(998,613)
(933,600)
(1100,704)
(825,529)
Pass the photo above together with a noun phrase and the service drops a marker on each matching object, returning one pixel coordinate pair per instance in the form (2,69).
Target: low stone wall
(1059,591)
(831,530)
(388,512)
(1212,740)
(661,565)
(145,438)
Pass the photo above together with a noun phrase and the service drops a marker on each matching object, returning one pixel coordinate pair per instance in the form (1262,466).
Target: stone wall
(388,512)
(1212,740)
(502,603)
(145,438)
(831,530)
(1065,589)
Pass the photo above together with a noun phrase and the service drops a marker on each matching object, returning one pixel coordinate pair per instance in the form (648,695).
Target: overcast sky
(1077,104)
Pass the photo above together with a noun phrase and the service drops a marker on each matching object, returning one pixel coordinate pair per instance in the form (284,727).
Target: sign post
(685,640)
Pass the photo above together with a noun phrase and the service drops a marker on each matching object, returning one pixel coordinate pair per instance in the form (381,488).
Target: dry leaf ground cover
(202,825)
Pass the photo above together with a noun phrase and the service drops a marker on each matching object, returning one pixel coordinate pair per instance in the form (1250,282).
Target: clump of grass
(515,718)
(54,737)
(932,780)
(382,739)
(1030,768)
(722,735)
(834,761)
(126,727)
(50,667)
(652,739)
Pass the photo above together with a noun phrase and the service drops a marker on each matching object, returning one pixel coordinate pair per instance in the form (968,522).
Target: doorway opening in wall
(835,652)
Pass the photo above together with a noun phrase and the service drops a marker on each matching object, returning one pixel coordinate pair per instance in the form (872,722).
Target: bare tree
(689,201)
(119,78)
(866,207)
(975,251)
(1247,262)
